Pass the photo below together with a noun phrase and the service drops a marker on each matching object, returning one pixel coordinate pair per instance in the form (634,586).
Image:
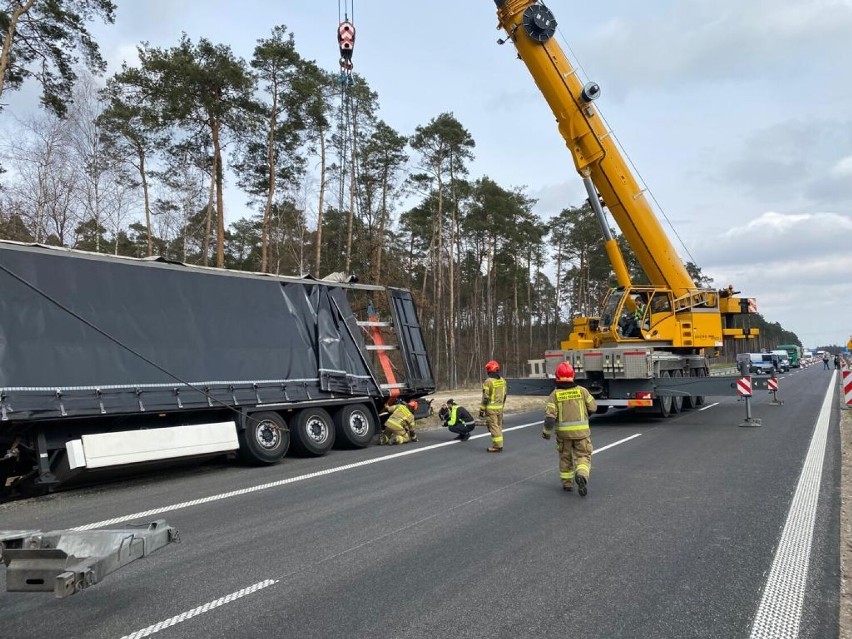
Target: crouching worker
(399,426)
(568,409)
(457,420)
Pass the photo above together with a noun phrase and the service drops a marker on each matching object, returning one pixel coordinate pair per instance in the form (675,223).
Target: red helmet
(565,372)
(413,405)
(492,367)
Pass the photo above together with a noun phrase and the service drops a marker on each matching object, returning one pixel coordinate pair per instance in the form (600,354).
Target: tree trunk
(321,202)
(380,242)
(220,205)
(270,195)
(206,246)
(6,53)
(146,196)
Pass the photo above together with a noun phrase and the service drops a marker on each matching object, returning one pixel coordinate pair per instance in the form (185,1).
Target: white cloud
(843,168)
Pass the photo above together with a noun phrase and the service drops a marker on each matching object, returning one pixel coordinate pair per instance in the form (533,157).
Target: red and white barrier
(846,376)
(744,386)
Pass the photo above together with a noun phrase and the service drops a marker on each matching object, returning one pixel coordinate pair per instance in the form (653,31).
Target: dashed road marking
(200,610)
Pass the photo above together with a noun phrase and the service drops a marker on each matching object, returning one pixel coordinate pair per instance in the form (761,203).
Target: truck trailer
(110,362)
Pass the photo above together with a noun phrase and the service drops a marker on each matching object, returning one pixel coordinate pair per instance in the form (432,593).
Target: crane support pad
(67,561)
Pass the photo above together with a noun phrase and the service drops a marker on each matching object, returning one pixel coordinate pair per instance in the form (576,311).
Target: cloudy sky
(737,115)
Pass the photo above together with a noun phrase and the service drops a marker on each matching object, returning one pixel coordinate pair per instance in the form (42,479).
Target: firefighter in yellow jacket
(491,407)
(568,410)
(399,426)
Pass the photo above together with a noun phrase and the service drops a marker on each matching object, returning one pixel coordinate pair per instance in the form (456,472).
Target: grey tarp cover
(203,327)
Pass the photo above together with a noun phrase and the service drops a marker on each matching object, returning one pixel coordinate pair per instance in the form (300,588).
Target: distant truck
(108,362)
(795,353)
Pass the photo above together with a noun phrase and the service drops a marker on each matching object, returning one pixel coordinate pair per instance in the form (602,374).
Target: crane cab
(650,315)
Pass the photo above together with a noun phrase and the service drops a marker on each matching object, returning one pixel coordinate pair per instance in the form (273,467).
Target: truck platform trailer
(110,362)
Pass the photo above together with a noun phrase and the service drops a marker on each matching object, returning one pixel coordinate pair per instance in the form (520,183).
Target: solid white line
(275,484)
(780,610)
(189,614)
(708,406)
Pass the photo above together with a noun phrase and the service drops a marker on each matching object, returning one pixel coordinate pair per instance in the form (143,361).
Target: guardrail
(719,372)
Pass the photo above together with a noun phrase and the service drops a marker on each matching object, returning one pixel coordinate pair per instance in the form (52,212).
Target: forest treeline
(135,162)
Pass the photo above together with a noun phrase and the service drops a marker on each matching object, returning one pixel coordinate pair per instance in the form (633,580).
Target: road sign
(744,386)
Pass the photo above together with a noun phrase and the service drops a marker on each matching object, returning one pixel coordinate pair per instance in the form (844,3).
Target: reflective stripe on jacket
(493,394)
(401,416)
(568,410)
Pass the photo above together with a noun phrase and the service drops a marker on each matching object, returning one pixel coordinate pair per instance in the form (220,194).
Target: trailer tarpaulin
(200,326)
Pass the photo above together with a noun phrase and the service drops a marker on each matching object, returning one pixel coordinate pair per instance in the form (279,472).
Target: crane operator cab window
(634,316)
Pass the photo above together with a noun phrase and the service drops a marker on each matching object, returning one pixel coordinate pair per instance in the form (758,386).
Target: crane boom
(531,26)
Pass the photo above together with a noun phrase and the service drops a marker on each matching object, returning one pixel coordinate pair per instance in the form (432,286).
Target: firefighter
(399,425)
(491,407)
(457,420)
(568,410)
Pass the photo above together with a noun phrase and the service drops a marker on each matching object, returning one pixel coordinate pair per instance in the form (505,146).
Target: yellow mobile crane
(647,336)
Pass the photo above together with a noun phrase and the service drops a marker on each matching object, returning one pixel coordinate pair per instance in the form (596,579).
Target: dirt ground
(470,400)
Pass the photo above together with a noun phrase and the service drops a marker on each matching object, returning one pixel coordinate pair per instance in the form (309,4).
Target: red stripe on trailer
(744,386)
(594,354)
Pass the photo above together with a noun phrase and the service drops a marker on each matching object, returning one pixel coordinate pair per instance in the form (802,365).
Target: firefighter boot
(494,449)
(582,487)
(413,437)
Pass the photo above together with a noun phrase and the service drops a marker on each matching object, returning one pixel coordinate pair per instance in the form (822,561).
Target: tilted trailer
(109,361)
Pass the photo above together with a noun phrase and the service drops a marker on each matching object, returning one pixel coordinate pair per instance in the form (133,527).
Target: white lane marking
(200,610)
(276,484)
(189,614)
(620,441)
(780,610)
(708,406)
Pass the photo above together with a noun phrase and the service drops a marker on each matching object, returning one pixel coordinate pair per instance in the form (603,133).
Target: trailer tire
(355,425)
(663,404)
(691,401)
(313,432)
(677,401)
(265,439)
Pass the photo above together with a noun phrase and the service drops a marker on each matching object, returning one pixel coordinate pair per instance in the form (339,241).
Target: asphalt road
(441,539)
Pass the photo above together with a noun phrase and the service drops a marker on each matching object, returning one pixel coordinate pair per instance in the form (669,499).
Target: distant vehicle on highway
(783,360)
(759,363)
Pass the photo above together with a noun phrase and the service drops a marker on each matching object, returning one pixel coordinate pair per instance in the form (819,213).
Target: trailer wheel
(677,402)
(694,401)
(355,425)
(663,404)
(699,399)
(265,439)
(313,432)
